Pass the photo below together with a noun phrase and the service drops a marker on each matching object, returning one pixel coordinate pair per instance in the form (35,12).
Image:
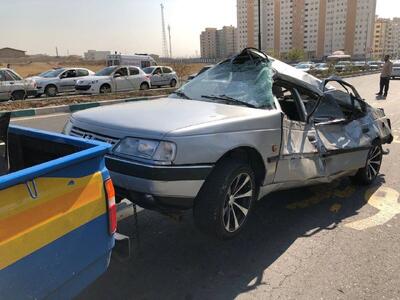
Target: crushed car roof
(285,71)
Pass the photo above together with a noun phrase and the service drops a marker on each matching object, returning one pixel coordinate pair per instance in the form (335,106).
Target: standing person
(385,77)
(8,66)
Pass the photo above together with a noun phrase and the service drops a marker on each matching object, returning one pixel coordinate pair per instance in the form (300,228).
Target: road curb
(71,108)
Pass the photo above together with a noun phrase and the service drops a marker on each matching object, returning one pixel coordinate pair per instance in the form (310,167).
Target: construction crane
(164,34)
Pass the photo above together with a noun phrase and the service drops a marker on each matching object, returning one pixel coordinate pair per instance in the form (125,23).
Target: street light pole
(259,25)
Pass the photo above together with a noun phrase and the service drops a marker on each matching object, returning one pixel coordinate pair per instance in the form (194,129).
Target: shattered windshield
(243,80)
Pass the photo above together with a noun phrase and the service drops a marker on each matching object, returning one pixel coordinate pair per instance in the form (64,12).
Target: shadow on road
(175,261)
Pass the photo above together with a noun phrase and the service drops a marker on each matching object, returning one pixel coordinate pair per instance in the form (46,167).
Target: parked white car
(161,76)
(59,80)
(396,70)
(14,87)
(305,67)
(114,79)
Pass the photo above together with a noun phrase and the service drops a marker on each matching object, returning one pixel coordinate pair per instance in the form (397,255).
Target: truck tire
(105,89)
(368,174)
(18,95)
(51,90)
(144,86)
(225,201)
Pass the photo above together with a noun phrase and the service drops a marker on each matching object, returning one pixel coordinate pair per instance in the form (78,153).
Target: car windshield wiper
(229,99)
(182,95)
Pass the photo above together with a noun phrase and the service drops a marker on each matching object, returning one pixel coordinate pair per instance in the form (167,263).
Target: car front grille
(78,132)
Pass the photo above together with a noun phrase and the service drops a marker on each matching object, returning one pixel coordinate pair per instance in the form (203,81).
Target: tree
(295,55)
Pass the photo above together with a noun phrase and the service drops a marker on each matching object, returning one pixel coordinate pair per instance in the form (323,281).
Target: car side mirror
(117,75)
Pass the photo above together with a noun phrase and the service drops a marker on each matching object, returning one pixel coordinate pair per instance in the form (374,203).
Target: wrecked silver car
(248,126)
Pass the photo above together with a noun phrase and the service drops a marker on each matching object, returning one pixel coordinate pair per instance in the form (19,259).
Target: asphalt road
(336,241)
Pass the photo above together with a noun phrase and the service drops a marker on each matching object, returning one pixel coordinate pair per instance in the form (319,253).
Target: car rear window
(166,70)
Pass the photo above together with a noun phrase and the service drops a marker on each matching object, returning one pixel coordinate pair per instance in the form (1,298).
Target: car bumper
(396,73)
(40,90)
(157,187)
(31,93)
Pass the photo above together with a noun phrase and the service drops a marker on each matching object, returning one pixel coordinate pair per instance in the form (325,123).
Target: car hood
(167,116)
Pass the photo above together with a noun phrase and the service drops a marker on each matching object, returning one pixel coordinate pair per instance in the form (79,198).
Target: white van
(137,60)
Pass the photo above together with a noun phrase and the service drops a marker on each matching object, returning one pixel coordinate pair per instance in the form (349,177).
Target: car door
(68,81)
(167,75)
(5,85)
(344,129)
(135,78)
(82,73)
(121,79)
(156,78)
(299,159)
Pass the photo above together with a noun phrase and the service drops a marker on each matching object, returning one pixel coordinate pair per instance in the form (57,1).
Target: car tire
(173,83)
(216,210)
(105,89)
(144,86)
(51,90)
(368,174)
(18,95)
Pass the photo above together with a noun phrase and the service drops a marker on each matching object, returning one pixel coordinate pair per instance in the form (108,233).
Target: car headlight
(67,128)
(158,151)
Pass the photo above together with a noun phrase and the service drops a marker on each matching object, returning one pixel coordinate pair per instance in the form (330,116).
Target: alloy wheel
(237,202)
(374,162)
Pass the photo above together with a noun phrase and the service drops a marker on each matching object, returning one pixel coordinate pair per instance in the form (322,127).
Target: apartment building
(386,38)
(220,43)
(319,27)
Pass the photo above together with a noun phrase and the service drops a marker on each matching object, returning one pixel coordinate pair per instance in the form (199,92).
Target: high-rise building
(318,27)
(216,43)
(208,43)
(386,38)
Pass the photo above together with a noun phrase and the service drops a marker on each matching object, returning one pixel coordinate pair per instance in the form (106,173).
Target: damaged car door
(348,136)
(300,159)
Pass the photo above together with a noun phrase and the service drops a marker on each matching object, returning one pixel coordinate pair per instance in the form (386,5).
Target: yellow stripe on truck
(16,199)
(53,218)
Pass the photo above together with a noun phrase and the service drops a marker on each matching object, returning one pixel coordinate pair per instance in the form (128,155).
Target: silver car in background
(114,79)
(14,87)
(396,69)
(60,80)
(161,76)
(247,127)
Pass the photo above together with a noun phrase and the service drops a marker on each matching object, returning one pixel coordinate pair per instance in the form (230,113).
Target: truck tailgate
(54,225)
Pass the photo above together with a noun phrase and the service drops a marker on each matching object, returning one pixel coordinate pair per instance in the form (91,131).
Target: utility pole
(170,43)
(56,51)
(259,25)
(164,34)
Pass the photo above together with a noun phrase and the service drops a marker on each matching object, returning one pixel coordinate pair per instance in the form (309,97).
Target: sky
(126,26)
